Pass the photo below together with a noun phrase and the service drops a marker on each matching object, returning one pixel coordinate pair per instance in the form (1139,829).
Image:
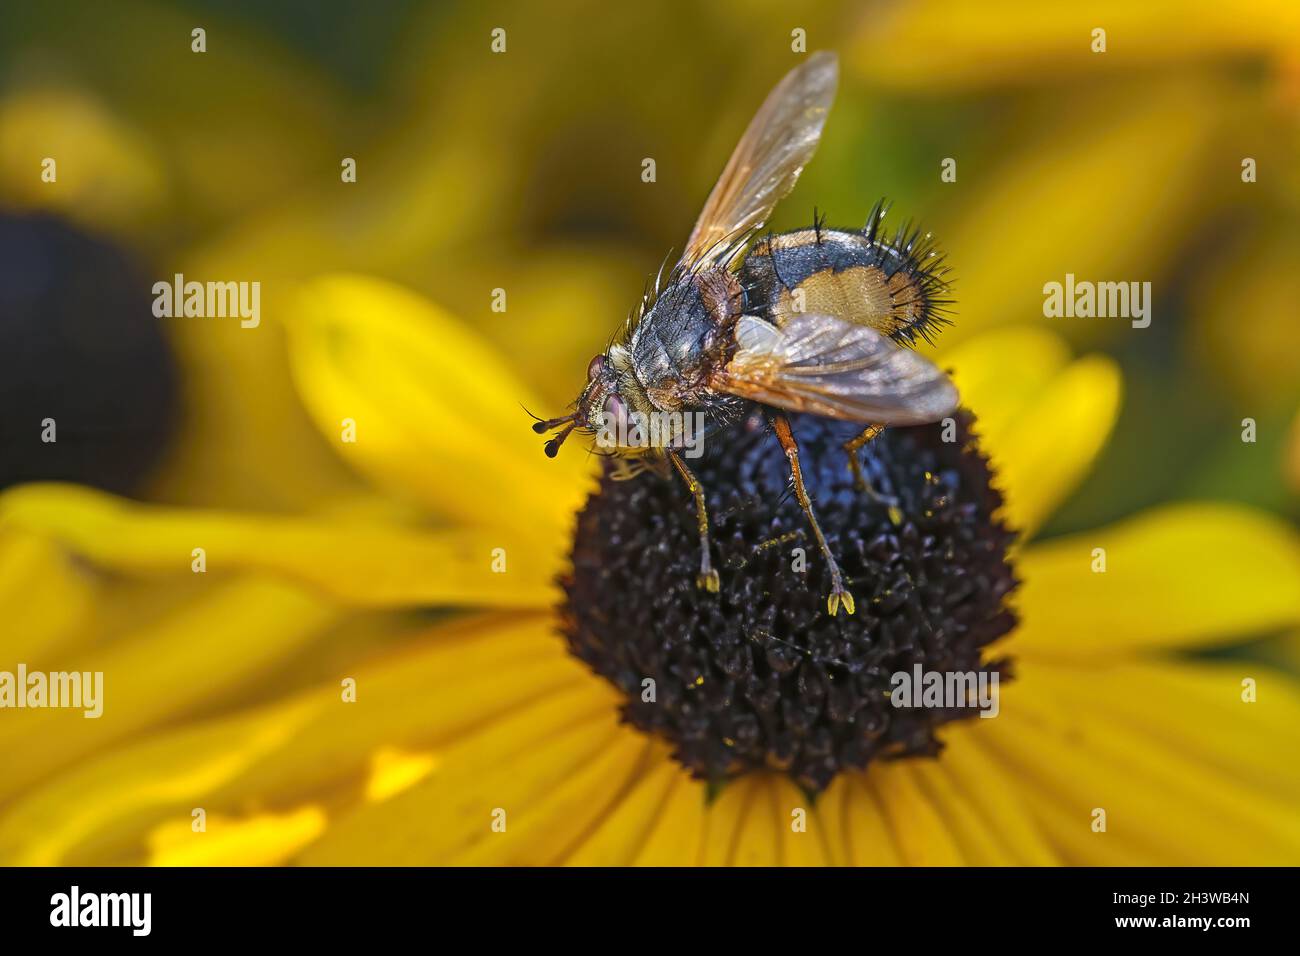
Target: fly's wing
(821,364)
(767,161)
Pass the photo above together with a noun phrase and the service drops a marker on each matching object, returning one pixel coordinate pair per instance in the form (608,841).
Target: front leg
(839,594)
(707,579)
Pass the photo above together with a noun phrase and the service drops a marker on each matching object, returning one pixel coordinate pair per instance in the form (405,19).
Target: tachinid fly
(813,321)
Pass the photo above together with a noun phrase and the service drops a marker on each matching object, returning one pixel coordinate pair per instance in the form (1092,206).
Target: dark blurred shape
(79,344)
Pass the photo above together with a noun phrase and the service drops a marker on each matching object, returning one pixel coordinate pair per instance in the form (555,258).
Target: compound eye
(595,368)
(615,409)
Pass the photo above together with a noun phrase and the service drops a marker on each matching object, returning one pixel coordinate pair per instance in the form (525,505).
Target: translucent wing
(767,161)
(821,364)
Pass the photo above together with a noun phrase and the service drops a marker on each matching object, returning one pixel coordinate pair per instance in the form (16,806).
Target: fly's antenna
(553,446)
(541,425)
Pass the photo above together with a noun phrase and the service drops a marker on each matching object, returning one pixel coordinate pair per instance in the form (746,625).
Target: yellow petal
(978,843)
(437,412)
(758,839)
(1181,575)
(477,804)
(1130,741)
(920,831)
(393,771)
(457,680)
(622,834)
(359,562)
(165,671)
(1001,373)
(546,826)
(801,830)
(106,176)
(677,837)
(264,839)
(45,601)
(1291,465)
(938,43)
(1044,455)
(857,833)
(1030,217)
(1257,372)
(994,797)
(725,821)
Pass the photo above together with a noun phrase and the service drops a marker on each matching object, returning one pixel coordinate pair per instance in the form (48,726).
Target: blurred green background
(521,171)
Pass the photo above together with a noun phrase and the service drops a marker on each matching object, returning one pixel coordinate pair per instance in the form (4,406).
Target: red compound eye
(595,367)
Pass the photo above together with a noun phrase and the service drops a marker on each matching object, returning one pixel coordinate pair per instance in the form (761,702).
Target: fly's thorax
(658,380)
(685,336)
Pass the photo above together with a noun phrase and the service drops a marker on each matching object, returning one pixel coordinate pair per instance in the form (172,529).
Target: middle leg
(839,594)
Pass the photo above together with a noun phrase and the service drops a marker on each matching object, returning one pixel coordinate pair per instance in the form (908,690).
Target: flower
(227,705)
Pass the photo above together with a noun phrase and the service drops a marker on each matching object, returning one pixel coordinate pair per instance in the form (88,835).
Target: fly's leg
(707,579)
(839,594)
(851,448)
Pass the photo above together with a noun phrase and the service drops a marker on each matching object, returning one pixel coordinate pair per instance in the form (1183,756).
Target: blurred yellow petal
(1237,719)
(360,562)
(244,149)
(1178,576)
(943,43)
(45,600)
(1254,286)
(393,770)
(166,670)
(437,411)
(105,175)
(1291,466)
(104,800)
(495,776)
(1001,373)
(265,839)
(1043,212)
(1167,798)
(1042,456)
(460,678)
(1041,419)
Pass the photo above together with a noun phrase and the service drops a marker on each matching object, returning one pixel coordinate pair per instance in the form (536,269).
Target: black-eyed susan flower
(288,700)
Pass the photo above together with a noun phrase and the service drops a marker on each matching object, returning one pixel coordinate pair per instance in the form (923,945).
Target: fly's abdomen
(894,287)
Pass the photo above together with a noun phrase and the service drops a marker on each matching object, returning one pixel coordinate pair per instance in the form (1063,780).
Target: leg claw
(708,580)
(839,596)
